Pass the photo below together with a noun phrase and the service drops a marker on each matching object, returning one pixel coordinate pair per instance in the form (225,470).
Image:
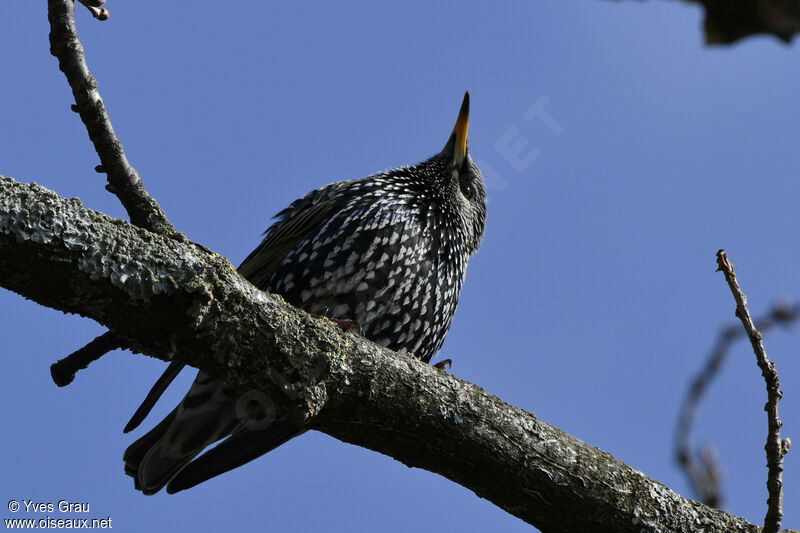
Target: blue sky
(592,301)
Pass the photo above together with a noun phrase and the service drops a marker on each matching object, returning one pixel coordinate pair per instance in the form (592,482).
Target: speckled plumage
(388,251)
(391,255)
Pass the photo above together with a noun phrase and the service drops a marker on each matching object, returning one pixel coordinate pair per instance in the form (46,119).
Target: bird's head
(463,180)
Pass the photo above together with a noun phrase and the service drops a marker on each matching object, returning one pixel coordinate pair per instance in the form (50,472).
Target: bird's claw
(346,325)
(443,364)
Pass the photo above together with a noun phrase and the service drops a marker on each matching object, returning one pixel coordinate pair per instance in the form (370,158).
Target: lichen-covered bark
(161,293)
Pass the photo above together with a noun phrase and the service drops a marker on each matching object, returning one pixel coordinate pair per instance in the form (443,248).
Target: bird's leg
(443,364)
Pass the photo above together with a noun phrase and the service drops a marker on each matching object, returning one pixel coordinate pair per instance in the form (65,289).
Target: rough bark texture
(159,293)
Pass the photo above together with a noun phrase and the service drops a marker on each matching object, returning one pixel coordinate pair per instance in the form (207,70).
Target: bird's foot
(443,364)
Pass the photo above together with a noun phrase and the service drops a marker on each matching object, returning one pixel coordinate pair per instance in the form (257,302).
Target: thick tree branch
(123,180)
(775,448)
(158,293)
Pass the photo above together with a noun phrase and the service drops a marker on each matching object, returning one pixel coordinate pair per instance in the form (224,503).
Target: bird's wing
(293,223)
(292,226)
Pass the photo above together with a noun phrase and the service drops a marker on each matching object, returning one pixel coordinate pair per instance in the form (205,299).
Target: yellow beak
(460,133)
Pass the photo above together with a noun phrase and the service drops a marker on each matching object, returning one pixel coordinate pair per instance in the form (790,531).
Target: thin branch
(704,474)
(774,448)
(64,370)
(160,294)
(123,180)
(702,469)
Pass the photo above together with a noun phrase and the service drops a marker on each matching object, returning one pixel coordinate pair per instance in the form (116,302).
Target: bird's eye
(465,181)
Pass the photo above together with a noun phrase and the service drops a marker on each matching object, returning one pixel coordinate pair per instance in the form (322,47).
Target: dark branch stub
(64,370)
(774,447)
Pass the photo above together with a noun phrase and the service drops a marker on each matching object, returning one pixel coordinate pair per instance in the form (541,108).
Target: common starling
(388,251)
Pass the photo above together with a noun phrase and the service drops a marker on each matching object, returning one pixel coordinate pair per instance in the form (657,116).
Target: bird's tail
(135,454)
(240,448)
(208,413)
(155,393)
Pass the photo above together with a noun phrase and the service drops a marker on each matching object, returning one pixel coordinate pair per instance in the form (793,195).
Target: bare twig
(123,180)
(704,474)
(63,371)
(702,468)
(775,448)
